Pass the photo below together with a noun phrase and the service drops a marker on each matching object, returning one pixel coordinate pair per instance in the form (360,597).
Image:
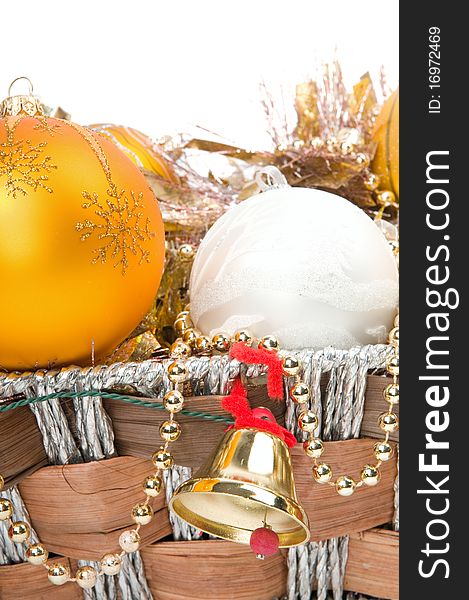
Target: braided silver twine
(340,413)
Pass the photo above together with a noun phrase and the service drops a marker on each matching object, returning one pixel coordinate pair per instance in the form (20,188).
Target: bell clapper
(264,541)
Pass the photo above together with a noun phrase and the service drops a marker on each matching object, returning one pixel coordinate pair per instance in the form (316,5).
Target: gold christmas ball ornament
(129,540)
(86,577)
(58,574)
(162,459)
(142,514)
(6,509)
(37,554)
(173,401)
(19,532)
(82,242)
(170,431)
(386,136)
(111,564)
(138,147)
(313,447)
(322,473)
(152,486)
(370,475)
(383,451)
(345,485)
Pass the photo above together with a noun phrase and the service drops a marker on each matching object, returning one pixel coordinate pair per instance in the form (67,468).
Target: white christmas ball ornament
(302,264)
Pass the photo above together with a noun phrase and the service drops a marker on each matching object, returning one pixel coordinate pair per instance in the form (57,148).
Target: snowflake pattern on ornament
(119,226)
(24,164)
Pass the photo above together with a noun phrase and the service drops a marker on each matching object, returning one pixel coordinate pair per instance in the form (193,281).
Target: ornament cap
(270,178)
(21,104)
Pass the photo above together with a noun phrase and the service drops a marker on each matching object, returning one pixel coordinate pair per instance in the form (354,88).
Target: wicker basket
(79,509)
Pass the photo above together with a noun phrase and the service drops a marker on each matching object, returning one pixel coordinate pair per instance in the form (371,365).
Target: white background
(164,67)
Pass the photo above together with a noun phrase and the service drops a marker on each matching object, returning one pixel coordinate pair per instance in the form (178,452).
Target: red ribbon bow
(237,403)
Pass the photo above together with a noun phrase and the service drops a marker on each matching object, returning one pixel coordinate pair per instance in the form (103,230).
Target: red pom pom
(264,541)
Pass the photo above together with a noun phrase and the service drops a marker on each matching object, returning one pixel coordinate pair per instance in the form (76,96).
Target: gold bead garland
(388,422)
(142,513)
(308,421)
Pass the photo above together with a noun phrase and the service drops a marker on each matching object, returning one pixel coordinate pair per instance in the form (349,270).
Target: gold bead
(2,483)
(362,159)
(186,252)
(313,447)
(269,342)
(129,540)
(37,554)
(370,475)
(290,365)
(111,564)
(299,393)
(385,198)
(189,337)
(173,401)
(322,473)
(383,450)
(243,336)
(180,349)
(170,431)
(19,532)
(371,182)
(396,320)
(202,344)
(394,337)
(345,485)
(221,342)
(345,147)
(392,365)
(162,459)
(388,422)
(391,393)
(177,372)
(6,509)
(142,514)
(184,314)
(58,574)
(181,324)
(86,577)
(152,485)
(307,421)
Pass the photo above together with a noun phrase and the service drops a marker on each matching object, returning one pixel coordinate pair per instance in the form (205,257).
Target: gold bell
(246,484)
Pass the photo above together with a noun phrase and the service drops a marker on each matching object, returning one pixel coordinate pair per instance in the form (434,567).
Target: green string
(110,396)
